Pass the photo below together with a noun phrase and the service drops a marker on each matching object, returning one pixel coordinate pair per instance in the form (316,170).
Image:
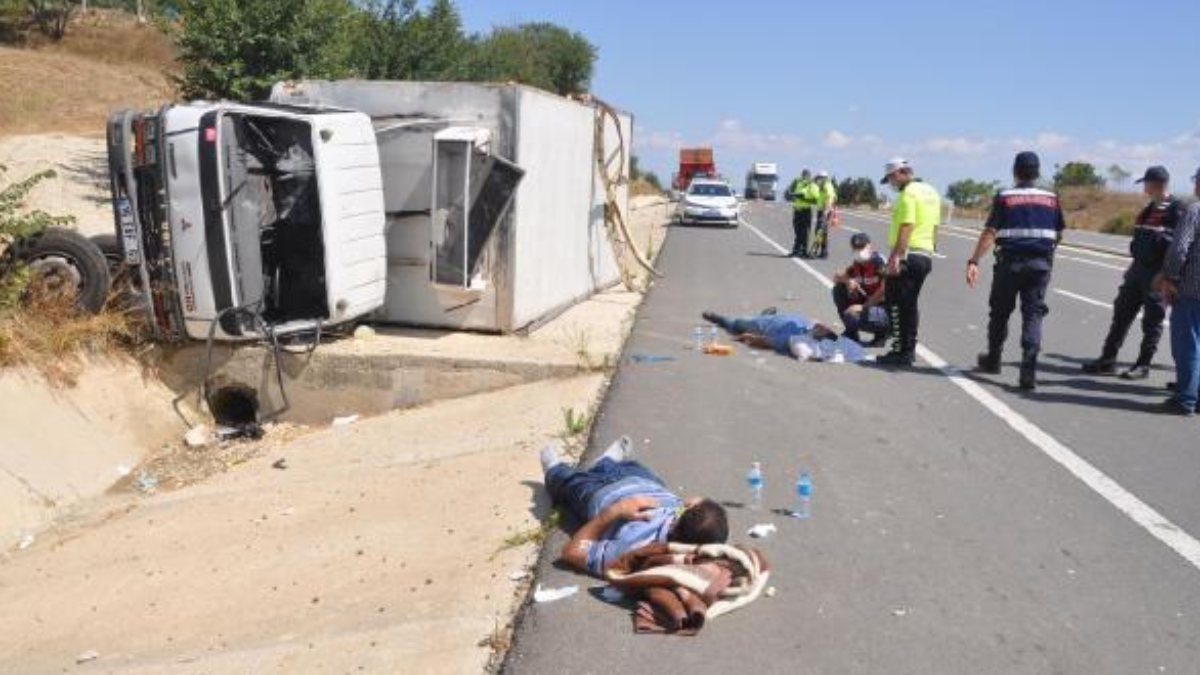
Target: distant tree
(968,193)
(395,40)
(857,192)
(239,48)
(1117,174)
(52,17)
(1077,174)
(538,54)
(635,167)
(652,178)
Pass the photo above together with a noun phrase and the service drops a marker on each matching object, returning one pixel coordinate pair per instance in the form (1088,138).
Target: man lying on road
(788,334)
(624,506)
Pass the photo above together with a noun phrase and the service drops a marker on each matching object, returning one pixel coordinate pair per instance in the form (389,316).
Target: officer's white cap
(894,165)
(822,174)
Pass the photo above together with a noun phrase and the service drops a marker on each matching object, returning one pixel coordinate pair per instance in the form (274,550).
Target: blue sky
(955,87)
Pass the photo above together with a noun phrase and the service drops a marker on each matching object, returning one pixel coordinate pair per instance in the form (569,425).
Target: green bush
(17,223)
(1122,223)
(237,49)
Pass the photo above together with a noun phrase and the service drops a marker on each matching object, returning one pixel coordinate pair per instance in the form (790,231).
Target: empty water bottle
(698,338)
(804,489)
(712,335)
(754,478)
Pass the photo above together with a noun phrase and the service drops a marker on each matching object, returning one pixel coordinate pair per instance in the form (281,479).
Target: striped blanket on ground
(680,586)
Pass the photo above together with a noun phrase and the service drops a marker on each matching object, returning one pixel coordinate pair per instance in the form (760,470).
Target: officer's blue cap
(1155,174)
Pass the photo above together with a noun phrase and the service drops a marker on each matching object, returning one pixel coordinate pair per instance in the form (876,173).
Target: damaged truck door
(245,220)
(472,190)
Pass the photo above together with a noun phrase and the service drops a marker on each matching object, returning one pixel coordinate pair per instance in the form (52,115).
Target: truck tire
(65,261)
(110,247)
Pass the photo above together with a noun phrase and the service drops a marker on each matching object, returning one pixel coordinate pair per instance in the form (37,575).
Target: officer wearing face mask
(860,292)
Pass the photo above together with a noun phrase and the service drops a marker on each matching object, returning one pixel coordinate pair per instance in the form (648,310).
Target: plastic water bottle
(698,338)
(804,489)
(712,335)
(755,480)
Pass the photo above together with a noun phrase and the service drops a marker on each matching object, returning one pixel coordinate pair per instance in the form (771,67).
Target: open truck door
(472,192)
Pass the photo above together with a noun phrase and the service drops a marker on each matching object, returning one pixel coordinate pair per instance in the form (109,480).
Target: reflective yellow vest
(805,195)
(921,206)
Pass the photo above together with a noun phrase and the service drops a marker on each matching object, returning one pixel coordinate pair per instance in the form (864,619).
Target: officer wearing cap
(805,197)
(1152,235)
(912,238)
(826,199)
(1025,225)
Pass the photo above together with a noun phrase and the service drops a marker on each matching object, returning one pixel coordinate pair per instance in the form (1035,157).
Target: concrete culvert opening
(234,406)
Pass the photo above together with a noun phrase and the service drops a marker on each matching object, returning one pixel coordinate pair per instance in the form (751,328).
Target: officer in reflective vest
(805,197)
(1152,236)
(1025,225)
(913,239)
(826,200)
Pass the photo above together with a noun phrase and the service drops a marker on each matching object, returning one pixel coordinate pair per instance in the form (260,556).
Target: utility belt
(1003,256)
(921,252)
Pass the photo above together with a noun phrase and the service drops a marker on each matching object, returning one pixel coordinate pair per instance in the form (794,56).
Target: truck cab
(762,181)
(246,221)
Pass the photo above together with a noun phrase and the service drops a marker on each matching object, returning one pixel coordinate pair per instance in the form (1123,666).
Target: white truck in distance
(762,181)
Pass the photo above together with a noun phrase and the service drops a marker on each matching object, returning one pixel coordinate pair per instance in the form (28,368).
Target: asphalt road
(960,525)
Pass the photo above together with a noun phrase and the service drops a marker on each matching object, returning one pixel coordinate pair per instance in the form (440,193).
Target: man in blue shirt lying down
(624,506)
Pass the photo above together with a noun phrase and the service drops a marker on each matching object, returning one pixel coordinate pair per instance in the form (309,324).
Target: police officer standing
(826,200)
(1025,225)
(805,197)
(1152,235)
(913,239)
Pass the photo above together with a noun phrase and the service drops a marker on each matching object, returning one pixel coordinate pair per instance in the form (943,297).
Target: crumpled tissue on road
(680,586)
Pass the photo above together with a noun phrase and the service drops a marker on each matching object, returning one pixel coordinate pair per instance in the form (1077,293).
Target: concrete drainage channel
(330,383)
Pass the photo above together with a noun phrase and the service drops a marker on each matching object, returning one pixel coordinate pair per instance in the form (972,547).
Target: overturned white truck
(451,205)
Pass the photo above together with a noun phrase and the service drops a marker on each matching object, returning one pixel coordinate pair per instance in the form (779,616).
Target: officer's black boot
(1028,379)
(988,362)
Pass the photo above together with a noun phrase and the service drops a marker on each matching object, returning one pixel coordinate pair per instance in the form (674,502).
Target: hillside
(1101,210)
(107,61)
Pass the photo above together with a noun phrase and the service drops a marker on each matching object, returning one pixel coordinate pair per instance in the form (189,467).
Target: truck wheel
(66,263)
(110,248)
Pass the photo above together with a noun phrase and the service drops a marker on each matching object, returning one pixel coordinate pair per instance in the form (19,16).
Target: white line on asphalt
(1125,501)
(1098,303)
(963,232)
(1060,256)
(1083,298)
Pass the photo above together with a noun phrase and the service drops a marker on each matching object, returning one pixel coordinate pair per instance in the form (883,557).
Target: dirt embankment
(107,61)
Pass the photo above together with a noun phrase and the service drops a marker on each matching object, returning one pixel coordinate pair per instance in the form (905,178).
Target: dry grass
(53,338)
(1093,209)
(1101,210)
(105,63)
(641,187)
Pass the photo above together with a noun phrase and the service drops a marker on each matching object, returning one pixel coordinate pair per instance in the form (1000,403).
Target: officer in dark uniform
(1025,225)
(1152,235)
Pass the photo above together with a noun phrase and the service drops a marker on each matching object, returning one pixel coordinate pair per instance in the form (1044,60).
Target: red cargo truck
(693,162)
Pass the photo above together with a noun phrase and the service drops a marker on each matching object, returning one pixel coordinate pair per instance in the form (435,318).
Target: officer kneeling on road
(1026,225)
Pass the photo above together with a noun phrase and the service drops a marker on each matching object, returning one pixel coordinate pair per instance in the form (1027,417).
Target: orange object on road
(719,350)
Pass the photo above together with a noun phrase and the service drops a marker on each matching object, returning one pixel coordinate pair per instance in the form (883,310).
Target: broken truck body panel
(520,163)
(248,219)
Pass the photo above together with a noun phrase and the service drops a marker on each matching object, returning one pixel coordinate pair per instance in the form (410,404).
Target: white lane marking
(1060,256)
(1083,298)
(1100,303)
(955,230)
(1156,524)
